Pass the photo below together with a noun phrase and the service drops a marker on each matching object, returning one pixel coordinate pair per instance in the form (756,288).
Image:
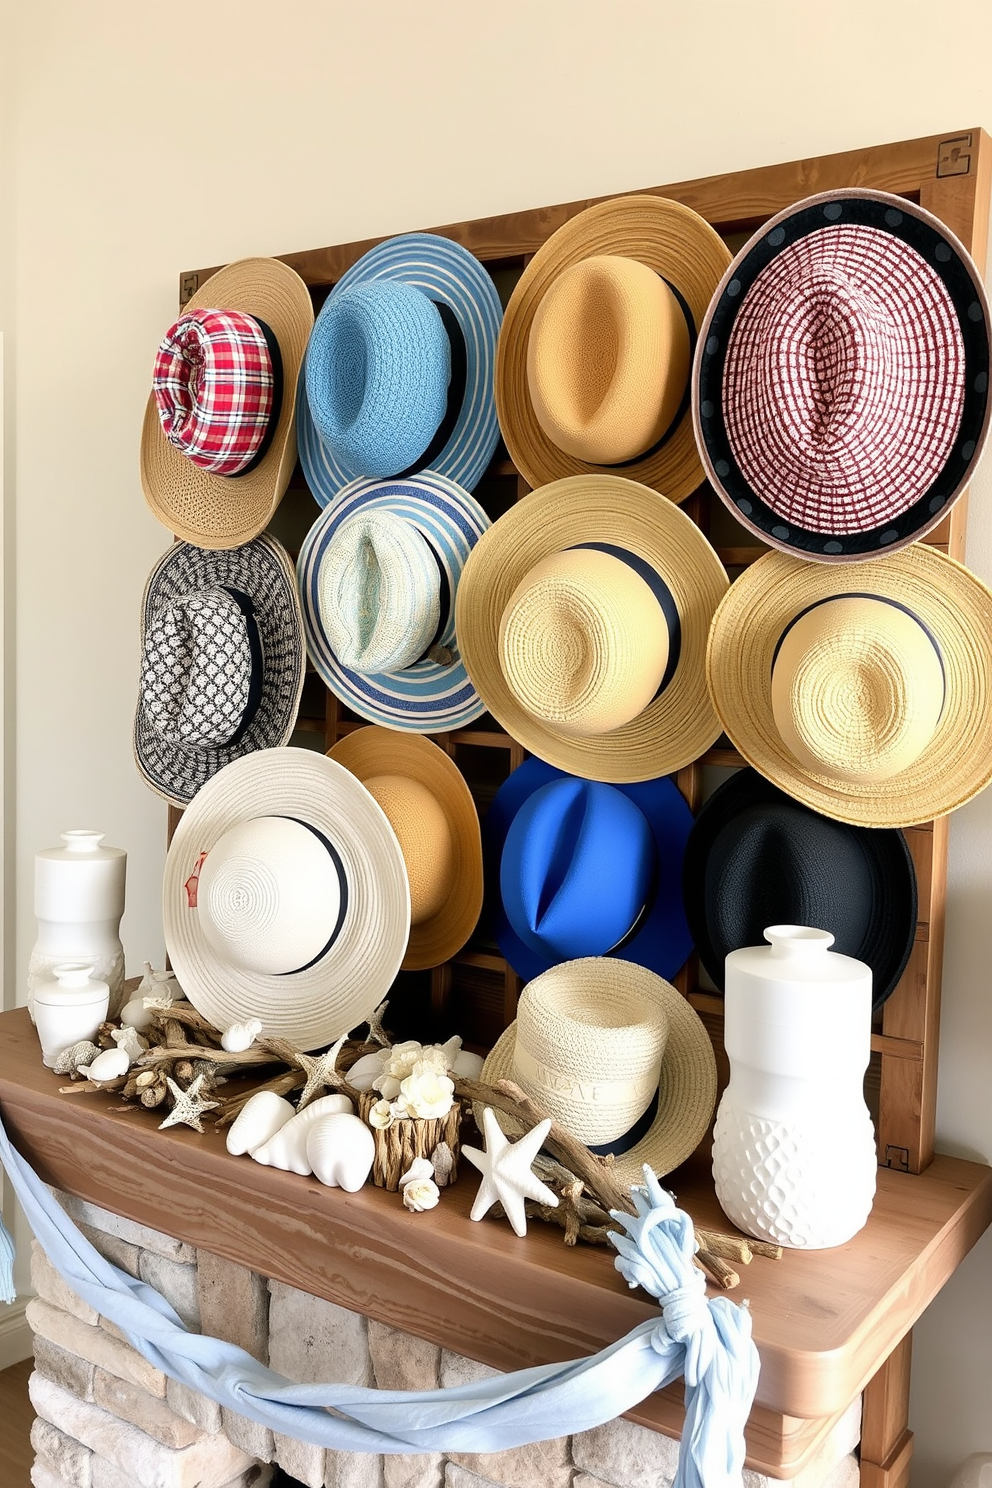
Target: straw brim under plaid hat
(263,572)
(583,511)
(443,858)
(855,699)
(680,247)
(341,988)
(687,1083)
(840,385)
(216,511)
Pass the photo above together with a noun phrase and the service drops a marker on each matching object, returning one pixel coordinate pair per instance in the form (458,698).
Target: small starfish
(318,1069)
(377,1034)
(506,1175)
(189,1105)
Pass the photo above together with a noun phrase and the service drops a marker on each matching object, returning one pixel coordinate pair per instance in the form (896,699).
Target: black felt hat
(755,857)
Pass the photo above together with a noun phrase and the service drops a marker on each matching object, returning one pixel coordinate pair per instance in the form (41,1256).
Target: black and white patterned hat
(222,662)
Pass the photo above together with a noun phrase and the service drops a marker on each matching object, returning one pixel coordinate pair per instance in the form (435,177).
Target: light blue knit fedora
(398,374)
(377,575)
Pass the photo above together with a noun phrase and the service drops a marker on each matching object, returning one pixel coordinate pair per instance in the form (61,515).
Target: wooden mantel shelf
(823,1322)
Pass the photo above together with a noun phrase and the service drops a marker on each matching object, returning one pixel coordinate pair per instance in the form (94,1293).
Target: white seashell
(340,1150)
(260,1118)
(420,1168)
(134,1014)
(159,984)
(442,1161)
(467,1065)
(365,1070)
(107,1066)
(241,1036)
(287,1149)
(130,1040)
(326,1105)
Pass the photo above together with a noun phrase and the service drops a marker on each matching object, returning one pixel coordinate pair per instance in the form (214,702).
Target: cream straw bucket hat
(582,616)
(864,691)
(286,898)
(594,356)
(617,1056)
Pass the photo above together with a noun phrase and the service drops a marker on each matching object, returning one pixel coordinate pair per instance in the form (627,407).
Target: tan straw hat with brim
(430,808)
(595,352)
(582,617)
(224,511)
(286,898)
(865,691)
(617,1057)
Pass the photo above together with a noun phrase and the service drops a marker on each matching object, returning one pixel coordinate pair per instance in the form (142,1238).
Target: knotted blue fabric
(710,1340)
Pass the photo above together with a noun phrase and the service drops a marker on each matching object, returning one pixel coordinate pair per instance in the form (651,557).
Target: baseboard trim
(15,1334)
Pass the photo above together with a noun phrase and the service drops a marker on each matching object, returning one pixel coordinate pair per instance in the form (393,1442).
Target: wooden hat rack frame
(475,993)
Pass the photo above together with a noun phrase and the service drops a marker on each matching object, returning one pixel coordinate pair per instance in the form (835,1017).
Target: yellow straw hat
(594,355)
(864,691)
(617,1056)
(223,511)
(582,617)
(430,808)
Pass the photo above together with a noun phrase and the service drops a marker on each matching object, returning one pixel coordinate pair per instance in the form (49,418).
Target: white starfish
(318,1070)
(189,1105)
(506,1175)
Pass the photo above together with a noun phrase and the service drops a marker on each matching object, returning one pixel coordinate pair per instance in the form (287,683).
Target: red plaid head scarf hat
(840,381)
(218,445)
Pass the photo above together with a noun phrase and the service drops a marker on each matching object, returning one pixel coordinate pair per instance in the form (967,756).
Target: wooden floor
(16,1416)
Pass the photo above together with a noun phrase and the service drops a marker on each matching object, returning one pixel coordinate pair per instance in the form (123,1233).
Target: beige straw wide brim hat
(679,246)
(679,723)
(950,605)
(317,1004)
(443,858)
(687,1085)
(216,511)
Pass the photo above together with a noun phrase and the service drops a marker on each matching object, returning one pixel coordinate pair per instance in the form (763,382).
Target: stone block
(233,1304)
(106,1475)
(548,1463)
(252,1438)
(95,1345)
(143,1410)
(49,1284)
(352,1470)
(461,1477)
(457,1370)
(301,1460)
(209,1463)
(176,1281)
(193,1406)
(402,1362)
(628,1456)
(583,1480)
(126,1229)
(312,1341)
(43,1477)
(61,1453)
(118,1252)
(420,1470)
(68,1370)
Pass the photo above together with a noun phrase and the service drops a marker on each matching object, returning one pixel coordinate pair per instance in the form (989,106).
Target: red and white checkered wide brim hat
(840,384)
(216,383)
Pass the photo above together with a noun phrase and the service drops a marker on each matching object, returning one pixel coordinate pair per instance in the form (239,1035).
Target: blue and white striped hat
(377,574)
(398,375)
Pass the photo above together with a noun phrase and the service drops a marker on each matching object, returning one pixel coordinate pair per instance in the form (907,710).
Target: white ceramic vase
(793,1148)
(79,901)
(68,1009)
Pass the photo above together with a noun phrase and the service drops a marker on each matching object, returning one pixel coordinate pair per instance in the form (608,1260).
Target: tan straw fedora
(595,352)
(430,808)
(224,511)
(617,1056)
(582,616)
(864,691)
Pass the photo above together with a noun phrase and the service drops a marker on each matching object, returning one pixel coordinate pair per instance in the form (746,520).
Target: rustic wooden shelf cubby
(476,992)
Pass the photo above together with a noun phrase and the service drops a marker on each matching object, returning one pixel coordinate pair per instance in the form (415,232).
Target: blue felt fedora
(378,573)
(398,374)
(587,869)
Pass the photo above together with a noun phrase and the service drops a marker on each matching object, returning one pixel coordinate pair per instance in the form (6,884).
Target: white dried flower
(433,1059)
(381,1115)
(427,1095)
(422,1194)
(400,1059)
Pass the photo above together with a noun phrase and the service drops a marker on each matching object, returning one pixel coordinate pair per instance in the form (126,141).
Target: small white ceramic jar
(69,1009)
(793,1147)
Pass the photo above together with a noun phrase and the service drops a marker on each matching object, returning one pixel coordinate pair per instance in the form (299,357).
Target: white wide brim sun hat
(286,898)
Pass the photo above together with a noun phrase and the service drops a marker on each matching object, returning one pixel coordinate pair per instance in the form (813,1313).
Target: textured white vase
(793,1148)
(79,901)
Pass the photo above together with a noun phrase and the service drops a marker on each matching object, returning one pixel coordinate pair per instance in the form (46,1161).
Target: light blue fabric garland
(708,1340)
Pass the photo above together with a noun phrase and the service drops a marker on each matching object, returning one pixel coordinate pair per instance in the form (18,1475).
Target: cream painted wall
(150,138)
